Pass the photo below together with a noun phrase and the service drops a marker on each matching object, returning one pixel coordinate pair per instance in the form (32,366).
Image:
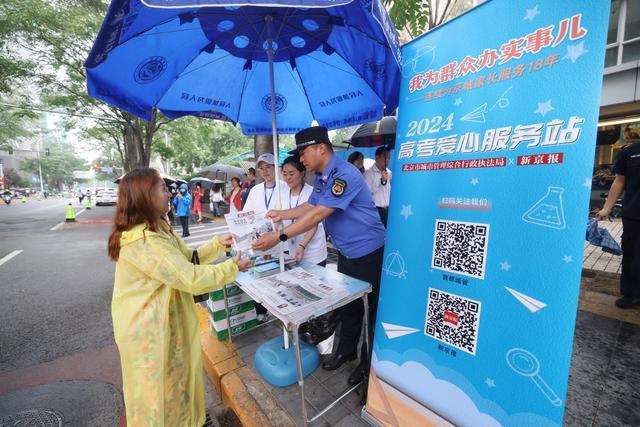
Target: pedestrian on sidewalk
(234,200)
(154,318)
(248,185)
(215,197)
(182,202)
(198,193)
(627,180)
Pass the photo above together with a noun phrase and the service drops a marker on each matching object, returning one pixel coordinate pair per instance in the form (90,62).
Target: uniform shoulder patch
(338,186)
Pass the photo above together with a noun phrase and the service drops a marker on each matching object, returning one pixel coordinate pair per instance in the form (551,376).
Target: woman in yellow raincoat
(154,318)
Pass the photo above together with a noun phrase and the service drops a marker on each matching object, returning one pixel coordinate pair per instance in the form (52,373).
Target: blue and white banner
(492,177)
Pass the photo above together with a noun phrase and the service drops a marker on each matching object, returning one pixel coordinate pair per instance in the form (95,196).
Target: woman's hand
(274,215)
(299,253)
(226,239)
(243,264)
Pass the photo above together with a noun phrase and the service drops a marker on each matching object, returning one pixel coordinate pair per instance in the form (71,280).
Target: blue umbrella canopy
(336,62)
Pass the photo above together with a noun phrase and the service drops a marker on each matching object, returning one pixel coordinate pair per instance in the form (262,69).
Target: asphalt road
(56,293)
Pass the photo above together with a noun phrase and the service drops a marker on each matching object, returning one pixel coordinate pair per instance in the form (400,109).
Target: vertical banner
(492,177)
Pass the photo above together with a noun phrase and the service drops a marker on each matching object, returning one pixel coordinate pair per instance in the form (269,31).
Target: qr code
(460,247)
(453,319)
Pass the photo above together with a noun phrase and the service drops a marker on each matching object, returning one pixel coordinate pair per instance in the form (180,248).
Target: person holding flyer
(312,246)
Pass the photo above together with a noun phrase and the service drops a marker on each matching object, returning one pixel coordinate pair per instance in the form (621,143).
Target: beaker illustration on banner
(548,211)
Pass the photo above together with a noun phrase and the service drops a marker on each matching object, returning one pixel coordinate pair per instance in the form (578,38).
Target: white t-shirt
(316,250)
(215,196)
(261,199)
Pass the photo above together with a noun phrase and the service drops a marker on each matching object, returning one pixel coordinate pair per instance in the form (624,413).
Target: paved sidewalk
(595,258)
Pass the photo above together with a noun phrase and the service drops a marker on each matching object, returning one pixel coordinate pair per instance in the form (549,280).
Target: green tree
(14,127)
(191,143)
(44,45)
(57,167)
(415,17)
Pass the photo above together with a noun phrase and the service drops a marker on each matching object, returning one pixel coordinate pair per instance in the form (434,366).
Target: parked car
(107,196)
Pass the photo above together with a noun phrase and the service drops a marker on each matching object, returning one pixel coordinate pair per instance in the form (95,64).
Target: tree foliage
(57,167)
(416,17)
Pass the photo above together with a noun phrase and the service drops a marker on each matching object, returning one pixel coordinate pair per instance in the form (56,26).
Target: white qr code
(460,247)
(453,319)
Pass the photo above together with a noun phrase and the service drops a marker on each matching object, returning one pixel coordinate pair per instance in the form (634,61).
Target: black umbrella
(375,134)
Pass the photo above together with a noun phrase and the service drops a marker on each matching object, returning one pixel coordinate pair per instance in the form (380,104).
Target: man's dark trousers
(367,268)
(630,278)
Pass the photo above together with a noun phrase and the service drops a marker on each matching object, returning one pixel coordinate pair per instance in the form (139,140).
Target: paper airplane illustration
(477,115)
(395,331)
(532,304)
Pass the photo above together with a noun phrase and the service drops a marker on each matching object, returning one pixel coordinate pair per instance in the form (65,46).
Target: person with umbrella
(378,178)
(343,201)
(198,193)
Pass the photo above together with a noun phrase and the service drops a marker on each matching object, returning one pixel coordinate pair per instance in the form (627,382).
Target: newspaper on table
(295,293)
(247,227)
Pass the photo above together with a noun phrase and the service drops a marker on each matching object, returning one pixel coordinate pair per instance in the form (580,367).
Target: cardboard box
(233,310)
(239,323)
(232,290)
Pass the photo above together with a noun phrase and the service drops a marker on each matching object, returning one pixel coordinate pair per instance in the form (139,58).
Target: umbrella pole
(274,128)
(274,136)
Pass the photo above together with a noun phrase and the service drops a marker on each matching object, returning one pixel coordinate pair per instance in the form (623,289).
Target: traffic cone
(88,206)
(71,215)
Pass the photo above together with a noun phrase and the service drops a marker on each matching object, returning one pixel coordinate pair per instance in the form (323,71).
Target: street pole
(40,168)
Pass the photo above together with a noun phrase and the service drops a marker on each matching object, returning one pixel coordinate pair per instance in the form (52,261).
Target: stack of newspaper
(296,294)
(241,312)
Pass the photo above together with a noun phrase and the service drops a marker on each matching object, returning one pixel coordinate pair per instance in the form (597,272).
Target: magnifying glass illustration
(526,364)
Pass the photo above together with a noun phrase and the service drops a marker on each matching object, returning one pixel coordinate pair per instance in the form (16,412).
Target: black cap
(311,136)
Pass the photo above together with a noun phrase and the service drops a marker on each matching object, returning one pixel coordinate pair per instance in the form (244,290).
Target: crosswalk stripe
(202,236)
(190,227)
(209,230)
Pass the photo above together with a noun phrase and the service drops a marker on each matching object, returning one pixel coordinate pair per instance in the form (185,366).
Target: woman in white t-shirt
(311,246)
(215,197)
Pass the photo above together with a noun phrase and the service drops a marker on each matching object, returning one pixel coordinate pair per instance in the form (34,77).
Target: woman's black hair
(295,162)
(236,179)
(354,156)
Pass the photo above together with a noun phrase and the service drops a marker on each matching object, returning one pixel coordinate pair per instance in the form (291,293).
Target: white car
(108,196)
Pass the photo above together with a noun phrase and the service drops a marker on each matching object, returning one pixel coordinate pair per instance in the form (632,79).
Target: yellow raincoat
(156,328)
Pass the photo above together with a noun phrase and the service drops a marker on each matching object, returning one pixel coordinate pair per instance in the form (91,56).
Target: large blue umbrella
(336,62)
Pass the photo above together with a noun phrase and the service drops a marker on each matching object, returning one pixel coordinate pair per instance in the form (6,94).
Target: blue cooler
(277,365)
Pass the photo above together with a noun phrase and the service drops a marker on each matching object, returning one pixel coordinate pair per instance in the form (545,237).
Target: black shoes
(627,302)
(356,376)
(337,360)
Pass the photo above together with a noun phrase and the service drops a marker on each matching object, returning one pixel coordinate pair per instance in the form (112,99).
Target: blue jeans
(215,208)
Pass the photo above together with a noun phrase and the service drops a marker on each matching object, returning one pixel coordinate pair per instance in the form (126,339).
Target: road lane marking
(11,255)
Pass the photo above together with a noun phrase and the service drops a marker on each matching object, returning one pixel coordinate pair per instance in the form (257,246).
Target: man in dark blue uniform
(342,199)
(627,181)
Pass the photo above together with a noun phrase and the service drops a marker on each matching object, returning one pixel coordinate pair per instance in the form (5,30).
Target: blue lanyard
(297,201)
(268,202)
